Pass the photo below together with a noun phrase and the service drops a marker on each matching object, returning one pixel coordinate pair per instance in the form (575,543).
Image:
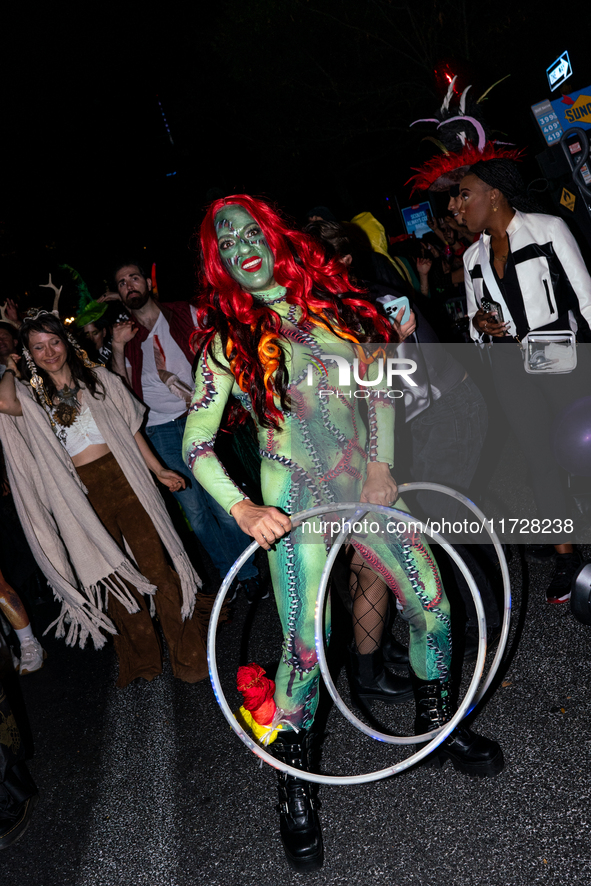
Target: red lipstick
(252,264)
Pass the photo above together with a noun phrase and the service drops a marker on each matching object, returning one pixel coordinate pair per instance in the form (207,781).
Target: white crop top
(81,434)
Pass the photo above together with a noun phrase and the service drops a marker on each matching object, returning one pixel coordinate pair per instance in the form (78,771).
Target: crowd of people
(100,420)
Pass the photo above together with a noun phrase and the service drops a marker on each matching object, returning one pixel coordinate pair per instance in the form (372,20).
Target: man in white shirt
(154,347)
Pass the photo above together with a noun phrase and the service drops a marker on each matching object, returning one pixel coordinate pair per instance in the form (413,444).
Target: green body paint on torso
(322,441)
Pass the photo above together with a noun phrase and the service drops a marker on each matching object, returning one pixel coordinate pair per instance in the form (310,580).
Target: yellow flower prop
(259,713)
(265,735)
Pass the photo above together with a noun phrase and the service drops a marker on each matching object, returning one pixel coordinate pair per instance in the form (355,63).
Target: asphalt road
(148,785)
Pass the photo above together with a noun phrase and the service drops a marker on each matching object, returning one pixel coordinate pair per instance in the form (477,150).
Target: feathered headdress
(463,139)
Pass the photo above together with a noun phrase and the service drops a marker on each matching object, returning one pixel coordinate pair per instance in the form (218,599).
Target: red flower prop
(258,693)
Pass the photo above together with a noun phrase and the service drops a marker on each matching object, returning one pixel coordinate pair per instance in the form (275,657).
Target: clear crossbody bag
(549,353)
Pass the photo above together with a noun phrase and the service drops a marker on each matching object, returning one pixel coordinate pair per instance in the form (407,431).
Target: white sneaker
(32,657)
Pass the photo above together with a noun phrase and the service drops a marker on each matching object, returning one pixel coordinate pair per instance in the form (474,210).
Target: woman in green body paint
(269,309)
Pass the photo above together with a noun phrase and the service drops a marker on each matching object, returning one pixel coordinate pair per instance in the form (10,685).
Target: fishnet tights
(370,604)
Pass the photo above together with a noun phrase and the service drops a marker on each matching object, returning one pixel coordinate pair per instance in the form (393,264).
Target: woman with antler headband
(79,470)
(269,318)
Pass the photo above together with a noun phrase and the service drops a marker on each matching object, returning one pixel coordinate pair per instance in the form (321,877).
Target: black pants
(532,404)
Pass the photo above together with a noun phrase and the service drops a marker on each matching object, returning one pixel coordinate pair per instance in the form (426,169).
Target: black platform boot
(299,825)
(393,652)
(469,753)
(371,681)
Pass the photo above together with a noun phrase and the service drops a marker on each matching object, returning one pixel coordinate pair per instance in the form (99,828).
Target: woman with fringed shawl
(79,470)
(274,319)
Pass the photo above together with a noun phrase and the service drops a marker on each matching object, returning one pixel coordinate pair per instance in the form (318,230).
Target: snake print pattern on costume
(319,456)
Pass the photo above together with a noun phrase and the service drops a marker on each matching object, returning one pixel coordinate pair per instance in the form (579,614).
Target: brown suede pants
(137,643)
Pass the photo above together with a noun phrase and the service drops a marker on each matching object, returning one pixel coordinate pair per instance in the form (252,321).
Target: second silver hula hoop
(472,696)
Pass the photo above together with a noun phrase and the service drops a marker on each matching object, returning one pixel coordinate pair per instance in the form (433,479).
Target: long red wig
(250,331)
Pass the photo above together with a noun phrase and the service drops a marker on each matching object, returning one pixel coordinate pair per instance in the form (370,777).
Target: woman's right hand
(488,324)
(9,401)
(265,524)
(12,363)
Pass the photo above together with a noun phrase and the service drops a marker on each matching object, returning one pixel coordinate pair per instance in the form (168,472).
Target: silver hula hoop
(434,738)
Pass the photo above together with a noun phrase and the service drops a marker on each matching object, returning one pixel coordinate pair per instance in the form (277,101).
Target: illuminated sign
(547,121)
(580,111)
(574,109)
(416,217)
(559,71)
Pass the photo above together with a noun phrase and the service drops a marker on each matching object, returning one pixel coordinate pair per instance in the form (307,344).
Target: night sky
(303,101)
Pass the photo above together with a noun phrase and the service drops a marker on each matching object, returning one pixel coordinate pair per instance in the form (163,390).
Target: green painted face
(243,249)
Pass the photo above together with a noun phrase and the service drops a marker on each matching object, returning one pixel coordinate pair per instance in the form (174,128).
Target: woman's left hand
(380,487)
(169,478)
(405,329)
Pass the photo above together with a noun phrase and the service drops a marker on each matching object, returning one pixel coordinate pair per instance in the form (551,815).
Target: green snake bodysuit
(318,456)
